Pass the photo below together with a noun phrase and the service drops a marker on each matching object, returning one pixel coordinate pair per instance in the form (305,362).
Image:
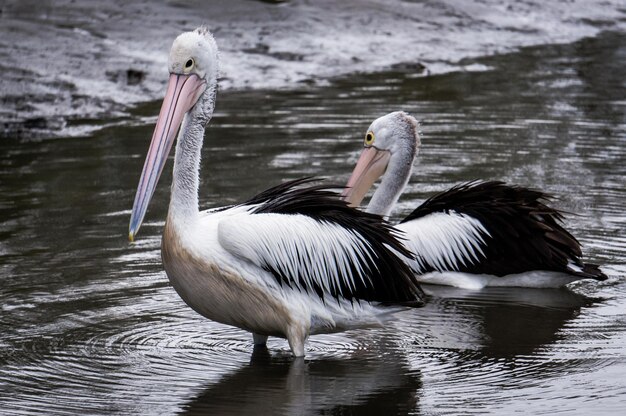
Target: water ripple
(90,324)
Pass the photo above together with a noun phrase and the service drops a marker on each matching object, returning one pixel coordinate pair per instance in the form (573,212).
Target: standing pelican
(475,234)
(289,262)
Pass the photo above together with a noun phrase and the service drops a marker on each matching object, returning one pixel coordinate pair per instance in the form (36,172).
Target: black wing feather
(525,233)
(387,277)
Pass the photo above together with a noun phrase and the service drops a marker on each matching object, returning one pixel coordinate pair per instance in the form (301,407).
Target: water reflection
(279,385)
(474,339)
(499,347)
(502,322)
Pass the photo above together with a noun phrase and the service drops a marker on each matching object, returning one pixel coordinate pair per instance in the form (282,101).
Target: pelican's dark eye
(369,138)
(189,64)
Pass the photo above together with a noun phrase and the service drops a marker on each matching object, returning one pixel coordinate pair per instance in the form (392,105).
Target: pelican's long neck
(183,207)
(394,181)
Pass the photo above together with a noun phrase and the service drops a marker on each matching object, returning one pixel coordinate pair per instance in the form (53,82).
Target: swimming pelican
(475,234)
(289,262)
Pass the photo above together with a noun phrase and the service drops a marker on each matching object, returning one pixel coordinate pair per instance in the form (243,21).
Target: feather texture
(312,241)
(493,228)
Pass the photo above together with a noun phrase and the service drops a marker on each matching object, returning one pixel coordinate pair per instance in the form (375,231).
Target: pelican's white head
(396,133)
(195,53)
(193,66)
(391,145)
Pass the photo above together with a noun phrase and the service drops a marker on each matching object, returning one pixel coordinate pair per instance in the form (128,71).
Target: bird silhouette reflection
(280,385)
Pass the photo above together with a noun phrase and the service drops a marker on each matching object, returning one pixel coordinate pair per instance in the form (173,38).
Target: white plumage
(290,262)
(444,241)
(475,234)
(297,245)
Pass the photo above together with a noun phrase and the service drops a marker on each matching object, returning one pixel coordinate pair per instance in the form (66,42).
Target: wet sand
(70,67)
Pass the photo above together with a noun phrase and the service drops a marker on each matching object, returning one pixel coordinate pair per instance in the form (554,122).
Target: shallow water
(90,324)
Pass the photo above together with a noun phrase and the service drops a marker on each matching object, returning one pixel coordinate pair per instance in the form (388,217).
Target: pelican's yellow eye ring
(369,138)
(189,64)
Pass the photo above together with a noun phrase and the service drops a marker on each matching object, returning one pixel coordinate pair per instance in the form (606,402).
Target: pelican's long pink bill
(182,94)
(371,165)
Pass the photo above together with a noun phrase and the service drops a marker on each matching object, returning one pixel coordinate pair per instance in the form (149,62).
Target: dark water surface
(90,325)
